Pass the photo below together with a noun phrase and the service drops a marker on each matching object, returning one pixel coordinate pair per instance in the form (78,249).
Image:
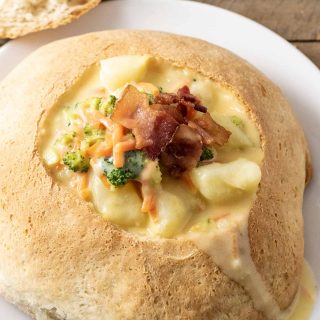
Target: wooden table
(298,21)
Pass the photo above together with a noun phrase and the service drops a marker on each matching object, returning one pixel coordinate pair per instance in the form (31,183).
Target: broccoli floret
(134,163)
(150,97)
(66,139)
(70,115)
(95,103)
(76,161)
(237,121)
(92,135)
(107,107)
(119,177)
(207,154)
(92,103)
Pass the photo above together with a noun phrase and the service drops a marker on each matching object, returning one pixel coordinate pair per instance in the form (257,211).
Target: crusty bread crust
(17,18)
(57,252)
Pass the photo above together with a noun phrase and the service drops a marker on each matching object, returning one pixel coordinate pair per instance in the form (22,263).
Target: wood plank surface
(292,19)
(311,50)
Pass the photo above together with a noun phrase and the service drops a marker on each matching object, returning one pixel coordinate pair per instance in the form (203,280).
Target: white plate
(280,61)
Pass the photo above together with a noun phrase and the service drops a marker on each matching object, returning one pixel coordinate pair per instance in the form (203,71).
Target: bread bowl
(20,17)
(71,262)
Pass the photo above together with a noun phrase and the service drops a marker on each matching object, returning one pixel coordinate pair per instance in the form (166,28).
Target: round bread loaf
(20,17)
(60,260)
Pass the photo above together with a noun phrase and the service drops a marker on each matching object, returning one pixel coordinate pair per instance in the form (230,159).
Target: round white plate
(281,62)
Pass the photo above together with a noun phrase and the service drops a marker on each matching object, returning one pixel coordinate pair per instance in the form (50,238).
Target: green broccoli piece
(95,103)
(92,135)
(120,177)
(70,115)
(107,107)
(66,139)
(150,97)
(76,161)
(207,154)
(134,163)
(237,121)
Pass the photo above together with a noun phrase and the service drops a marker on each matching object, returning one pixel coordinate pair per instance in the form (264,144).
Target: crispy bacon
(183,152)
(166,98)
(153,129)
(212,133)
(170,128)
(183,100)
(177,112)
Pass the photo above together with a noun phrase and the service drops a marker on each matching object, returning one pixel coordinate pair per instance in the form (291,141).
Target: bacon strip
(211,132)
(183,152)
(184,101)
(170,128)
(153,129)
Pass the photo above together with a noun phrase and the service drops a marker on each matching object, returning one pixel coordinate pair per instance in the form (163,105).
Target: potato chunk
(173,215)
(238,138)
(121,206)
(224,182)
(117,71)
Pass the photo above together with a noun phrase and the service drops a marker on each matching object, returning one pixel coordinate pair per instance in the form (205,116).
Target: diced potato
(238,138)
(179,188)
(173,215)
(121,206)
(117,71)
(51,157)
(203,90)
(147,87)
(224,182)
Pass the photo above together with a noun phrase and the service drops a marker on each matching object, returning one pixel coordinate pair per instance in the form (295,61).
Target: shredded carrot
(92,117)
(108,140)
(84,190)
(235,247)
(59,166)
(105,181)
(117,133)
(104,152)
(120,148)
(83,115)
(90,152)
(149,200)
(108,123)
(79,136)
(220,216)
(188,182)
(99,149)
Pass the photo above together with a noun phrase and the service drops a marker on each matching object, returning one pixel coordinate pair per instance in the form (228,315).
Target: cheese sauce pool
(219,228)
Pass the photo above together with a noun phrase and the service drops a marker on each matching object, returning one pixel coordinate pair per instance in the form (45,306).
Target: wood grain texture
(311,50)
(292,19)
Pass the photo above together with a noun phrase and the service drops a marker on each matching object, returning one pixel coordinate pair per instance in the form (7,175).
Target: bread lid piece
(20,17)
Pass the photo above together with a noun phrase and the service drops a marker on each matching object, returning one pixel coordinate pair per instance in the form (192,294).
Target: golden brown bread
(20,17)
(60,259)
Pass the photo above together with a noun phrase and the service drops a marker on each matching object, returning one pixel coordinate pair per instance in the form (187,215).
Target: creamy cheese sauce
(215,216)
(306,297)
(244,143)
